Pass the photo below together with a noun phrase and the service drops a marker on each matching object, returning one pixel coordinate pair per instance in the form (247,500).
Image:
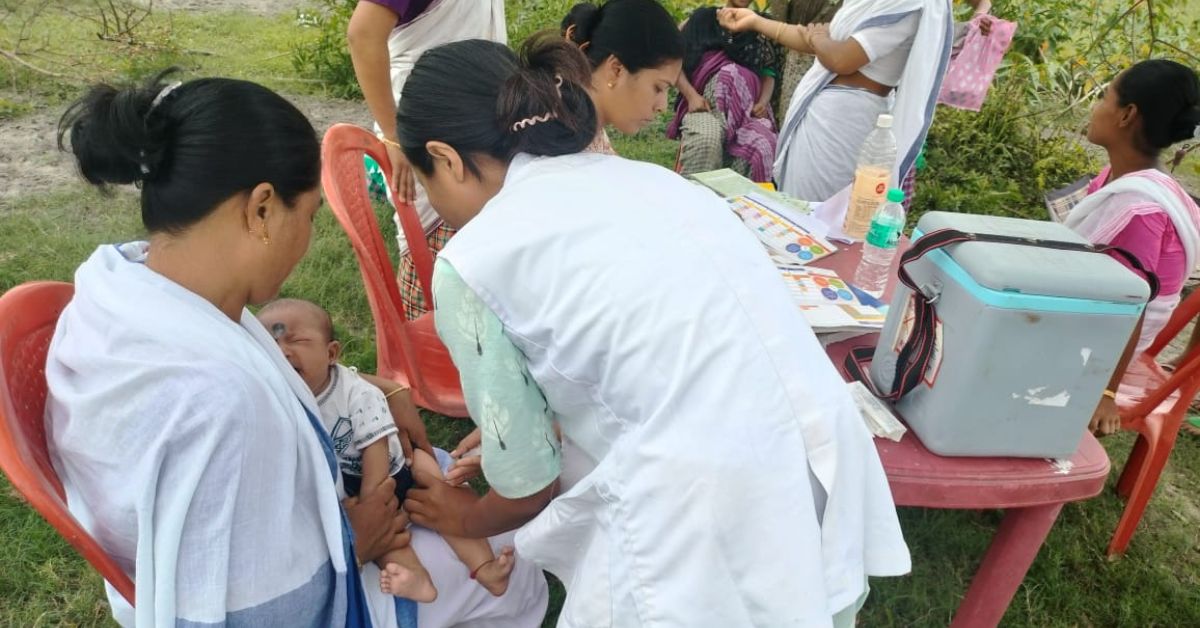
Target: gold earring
(263,236)
(611,85)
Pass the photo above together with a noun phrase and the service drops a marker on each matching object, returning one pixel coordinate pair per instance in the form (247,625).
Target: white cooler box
(1027,339)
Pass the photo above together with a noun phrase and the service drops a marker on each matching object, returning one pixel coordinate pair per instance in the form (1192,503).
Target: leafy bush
(998,161)
(327,58)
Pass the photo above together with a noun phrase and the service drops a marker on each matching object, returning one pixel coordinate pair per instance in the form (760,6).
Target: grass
(45,235)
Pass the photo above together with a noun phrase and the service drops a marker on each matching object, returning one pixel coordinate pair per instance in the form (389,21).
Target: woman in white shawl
(876,56)
(187,445)
(713,469)
(1132,203)
(386,37)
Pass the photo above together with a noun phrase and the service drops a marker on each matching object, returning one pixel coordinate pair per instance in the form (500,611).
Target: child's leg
(402,574)
(490,570)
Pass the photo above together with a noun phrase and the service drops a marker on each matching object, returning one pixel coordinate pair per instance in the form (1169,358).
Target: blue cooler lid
(1028,270)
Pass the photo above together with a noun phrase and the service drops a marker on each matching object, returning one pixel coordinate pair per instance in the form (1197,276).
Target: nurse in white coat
(721,475)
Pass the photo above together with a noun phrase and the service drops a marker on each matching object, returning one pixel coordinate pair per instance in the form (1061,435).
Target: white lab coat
(689,388)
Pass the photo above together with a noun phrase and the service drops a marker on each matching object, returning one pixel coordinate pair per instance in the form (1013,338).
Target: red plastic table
(1032,491)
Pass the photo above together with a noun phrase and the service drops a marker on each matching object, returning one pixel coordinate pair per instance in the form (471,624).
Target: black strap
(918,350)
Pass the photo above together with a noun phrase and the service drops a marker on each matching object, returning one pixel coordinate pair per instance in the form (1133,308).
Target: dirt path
(31,162)
(257,7)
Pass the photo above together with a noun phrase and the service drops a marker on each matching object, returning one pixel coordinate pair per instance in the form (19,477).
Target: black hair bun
(113,134)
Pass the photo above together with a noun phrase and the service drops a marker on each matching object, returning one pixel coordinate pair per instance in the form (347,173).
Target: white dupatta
(186,448)
(1100,219)
(915,96)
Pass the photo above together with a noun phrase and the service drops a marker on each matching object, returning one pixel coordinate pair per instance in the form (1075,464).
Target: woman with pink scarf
(1132,203)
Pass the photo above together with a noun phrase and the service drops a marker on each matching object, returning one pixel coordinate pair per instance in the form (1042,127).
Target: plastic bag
(971,71)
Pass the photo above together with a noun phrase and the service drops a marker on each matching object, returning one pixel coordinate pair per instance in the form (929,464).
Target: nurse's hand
(436,505)
(468,465)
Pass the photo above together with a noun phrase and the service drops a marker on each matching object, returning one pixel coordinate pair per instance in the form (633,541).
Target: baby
(356,415)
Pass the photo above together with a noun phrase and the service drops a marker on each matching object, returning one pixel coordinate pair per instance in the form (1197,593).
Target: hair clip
(558,84)
(532,120)
(162,95)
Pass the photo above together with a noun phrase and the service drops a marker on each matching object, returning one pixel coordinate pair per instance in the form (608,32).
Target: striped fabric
(406,274)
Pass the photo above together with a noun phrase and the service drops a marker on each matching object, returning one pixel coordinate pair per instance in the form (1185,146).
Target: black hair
(481,98)
(1167,95)
(582,13)
(639,33)
(192,147)
(322,318)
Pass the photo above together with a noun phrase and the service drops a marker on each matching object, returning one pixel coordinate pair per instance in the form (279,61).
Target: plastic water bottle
(880,246)
(875,162)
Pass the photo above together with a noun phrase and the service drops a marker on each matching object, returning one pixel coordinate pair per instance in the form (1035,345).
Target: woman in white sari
(876,56)
(713,469)
(187,445)
(386,37)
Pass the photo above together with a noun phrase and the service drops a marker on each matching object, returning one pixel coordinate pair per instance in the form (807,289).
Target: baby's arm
(376,465)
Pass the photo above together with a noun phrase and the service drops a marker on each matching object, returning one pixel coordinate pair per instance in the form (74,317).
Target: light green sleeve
(521,453)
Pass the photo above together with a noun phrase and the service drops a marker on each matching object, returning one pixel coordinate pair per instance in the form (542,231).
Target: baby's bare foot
(493,575)
(406,583)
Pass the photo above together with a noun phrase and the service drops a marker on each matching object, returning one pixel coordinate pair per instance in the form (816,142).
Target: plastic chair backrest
(1186,376)
(28,314)
(343,178)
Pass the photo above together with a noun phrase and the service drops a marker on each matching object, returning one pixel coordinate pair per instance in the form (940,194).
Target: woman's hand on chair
(1106,419)
(698,103)
(404,184)
(738,20)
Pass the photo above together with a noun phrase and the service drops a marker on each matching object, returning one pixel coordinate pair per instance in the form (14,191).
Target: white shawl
(916,95)
(1100,218)
(187,447)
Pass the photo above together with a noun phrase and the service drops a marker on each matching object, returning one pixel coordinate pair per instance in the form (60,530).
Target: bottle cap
(884,121)
(895,195)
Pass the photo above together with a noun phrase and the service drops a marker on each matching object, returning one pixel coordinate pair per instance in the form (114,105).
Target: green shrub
(327,58)
(998,161)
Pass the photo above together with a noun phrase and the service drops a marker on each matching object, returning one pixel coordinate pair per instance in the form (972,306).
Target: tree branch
(12,56)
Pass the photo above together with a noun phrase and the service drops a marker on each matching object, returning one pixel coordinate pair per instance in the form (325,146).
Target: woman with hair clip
(670,358)
(635,53)
(186,443)
(876,56)
(1133,204)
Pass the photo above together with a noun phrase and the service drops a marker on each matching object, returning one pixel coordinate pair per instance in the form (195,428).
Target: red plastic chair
(28,314)
(1154,404)
(408,351)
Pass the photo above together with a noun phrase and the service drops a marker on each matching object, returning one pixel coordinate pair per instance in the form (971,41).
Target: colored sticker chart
(827,302)
(786,240)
